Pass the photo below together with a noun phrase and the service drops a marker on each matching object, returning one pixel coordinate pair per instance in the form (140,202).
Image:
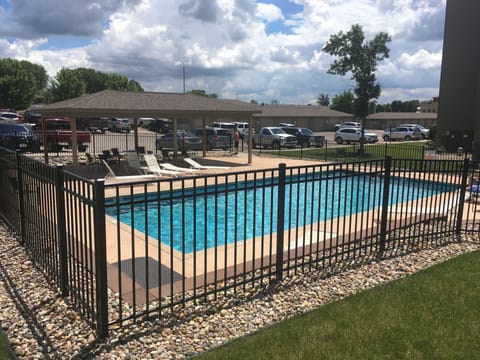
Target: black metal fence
(121,251)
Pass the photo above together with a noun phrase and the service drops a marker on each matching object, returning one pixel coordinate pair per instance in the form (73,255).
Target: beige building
(315,117)
(385,120)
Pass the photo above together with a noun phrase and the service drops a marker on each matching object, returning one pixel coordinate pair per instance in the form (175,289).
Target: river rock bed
(39,324)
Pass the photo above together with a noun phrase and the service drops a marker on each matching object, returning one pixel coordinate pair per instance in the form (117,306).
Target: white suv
(348,135)
(120,124)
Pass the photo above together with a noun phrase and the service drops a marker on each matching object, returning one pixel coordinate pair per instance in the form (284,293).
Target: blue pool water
(241,211)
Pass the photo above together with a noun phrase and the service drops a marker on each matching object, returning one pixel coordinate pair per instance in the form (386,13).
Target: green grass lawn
(434,314)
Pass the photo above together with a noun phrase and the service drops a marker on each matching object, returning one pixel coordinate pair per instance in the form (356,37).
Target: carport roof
(114,103)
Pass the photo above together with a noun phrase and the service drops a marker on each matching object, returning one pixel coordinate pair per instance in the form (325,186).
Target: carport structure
(114,103)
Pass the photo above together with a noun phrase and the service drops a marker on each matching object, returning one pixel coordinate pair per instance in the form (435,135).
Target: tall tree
(94,80)
(323,99)
(343,102)
(359,58)
(66,85)
(39,73)
(17,86)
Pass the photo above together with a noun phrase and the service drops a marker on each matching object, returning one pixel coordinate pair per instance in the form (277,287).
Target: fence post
(386,191)
(21,206)
(280,219)
(100,258)
(61,228)
(461,201)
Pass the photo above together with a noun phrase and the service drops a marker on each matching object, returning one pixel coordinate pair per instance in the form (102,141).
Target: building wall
(459,84)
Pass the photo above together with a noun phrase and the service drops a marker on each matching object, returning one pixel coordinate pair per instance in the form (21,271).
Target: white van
(224,125)
(242,128)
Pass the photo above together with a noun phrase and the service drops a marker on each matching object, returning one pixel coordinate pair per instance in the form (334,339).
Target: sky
(268,51)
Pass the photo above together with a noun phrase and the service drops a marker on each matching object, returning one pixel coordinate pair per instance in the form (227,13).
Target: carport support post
(135,134)
(204,137)
(73,128)
(250,150)
(174,138)
(44,140)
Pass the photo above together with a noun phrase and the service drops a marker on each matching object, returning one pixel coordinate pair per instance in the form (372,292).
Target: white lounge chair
(111,175)
(134,162)
(172,167)
(198,166)
(154,167)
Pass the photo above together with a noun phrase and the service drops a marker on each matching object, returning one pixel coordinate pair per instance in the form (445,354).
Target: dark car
(160,125)
(186,141)
(305,136)
(18,137)
(217,138)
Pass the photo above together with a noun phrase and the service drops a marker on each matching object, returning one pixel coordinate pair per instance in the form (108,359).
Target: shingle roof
(147,104)
(300,111)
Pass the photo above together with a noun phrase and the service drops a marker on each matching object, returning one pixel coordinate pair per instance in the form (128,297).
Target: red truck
(59,136)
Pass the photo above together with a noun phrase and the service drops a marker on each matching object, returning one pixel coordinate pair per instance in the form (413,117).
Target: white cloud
(224,46)
(422,59)
(269,12)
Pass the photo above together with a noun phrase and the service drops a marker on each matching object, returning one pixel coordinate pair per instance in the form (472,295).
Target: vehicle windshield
(278,131)
(14,129)
(306,131)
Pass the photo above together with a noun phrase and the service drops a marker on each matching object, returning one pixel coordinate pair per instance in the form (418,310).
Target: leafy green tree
(94,80)
(17,85)
(38,72)
(203,93)
(134,86)
(323,99)
(344,102)
(359,58)
(66,85)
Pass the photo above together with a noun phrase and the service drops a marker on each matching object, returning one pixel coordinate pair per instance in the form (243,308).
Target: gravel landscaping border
(39,324)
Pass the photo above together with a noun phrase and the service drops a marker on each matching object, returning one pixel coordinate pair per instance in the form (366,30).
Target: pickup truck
(59,136)
(273,137)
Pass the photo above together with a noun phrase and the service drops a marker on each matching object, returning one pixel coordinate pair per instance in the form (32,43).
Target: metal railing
(121,251)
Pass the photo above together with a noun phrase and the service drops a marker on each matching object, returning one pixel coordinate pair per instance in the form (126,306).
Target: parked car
(399,133)
(95,125)
(18,136)
(145,122)
(9,116)
(217,138)
(305,136)
(186,141)
(224,125)
(120,125)
(354,134)
(349,124)
(160,125)
(273,137)
(421,132)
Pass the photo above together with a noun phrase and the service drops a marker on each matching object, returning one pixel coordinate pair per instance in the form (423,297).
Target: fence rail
(121,251)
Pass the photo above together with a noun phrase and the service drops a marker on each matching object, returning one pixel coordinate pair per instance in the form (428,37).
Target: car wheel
(408,138)
(386,138)
(254,146)
(339,140)
(209,146)
(275,145)
(362,141)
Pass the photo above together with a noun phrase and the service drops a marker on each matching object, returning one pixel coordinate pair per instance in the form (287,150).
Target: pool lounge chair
(154,167)
(198,166)
(111,174)
(134,163)
(172,167)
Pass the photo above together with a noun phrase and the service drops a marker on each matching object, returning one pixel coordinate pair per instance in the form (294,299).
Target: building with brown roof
(384,120)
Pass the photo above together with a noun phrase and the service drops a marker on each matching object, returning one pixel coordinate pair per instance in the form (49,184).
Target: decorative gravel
(39,324)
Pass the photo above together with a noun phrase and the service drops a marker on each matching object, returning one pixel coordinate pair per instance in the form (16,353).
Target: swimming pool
(203,218)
